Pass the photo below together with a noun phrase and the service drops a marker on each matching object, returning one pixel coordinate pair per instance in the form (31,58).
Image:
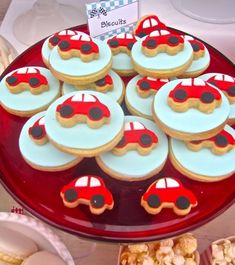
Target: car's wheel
(64,45)
(180,94)
(11,80)
(71,195)
(55,40)
(153,201)
(207,97)
(173,40)
(231,91)
(101,82)
(195,47)
(86,48)
(97,201)
(95,113)
(145,140)
(151,44)
(144,85)
(66,111)
(141,34)
(36,131)
(221,140)
(113,43)
(130,45)
(34,81)
(122,142)
(182,202)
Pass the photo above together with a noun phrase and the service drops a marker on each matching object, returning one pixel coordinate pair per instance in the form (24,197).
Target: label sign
(107,18)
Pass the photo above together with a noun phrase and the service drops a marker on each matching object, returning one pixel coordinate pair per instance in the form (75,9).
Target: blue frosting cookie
(133,166)
(45,157)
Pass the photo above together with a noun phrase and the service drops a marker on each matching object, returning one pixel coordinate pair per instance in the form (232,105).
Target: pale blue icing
(191,121)
(122,62)
(46,51)
(26,101)
(161,61)
(204,162)
(42,155)
(115,93)
(81,136)
(205,77)
(134,165)
(200,63)
(140,104)
(76,67)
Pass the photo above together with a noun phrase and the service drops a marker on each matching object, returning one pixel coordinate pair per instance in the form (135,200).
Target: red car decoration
(219,144)
(81,46)
(27,78)
(198,47)
(225,83)
(168,193)
(162,41)
(147,25)
(89,190)
(149,86)
(193,92)
(59,36)
(82,107)
(122,43)
(104,84)
(136,137)
(37,132)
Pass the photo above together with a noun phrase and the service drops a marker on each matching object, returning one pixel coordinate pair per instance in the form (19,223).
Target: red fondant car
(59,36)
(89,190)
(83,104)
(136,133)
(125,41)
(149,24)
(106,81)
(194,88)
(162,37)
(165,192)
(37,132)
(29,76)
(196,44)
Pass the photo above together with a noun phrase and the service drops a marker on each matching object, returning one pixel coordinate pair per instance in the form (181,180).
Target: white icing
(146,24)
(161,184)
(192,120)
(42,155)
(134,165)
(94,182)
(215,165)
(171,183)
(82,182)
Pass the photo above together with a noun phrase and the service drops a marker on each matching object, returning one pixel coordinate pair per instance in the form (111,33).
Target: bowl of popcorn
(180,250)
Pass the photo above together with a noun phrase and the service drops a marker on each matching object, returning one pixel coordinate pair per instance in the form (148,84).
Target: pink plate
(39,191)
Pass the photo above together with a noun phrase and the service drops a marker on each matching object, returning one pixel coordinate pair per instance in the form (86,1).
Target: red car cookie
(60,36)
(198,47)
(37,132)
(89,190)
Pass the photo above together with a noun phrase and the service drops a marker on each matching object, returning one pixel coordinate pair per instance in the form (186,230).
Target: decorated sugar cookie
(168,193)
(203,117)
(89,190)
(38,152)
(28,90)
(85,123)
(140,154)
(207,160)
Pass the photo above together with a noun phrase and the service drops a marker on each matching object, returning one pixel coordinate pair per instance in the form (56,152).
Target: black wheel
(144,85)
(95,113)
(231,91)
(221,140)
(130,45)
(101,82)
(153,201)
(11,80)
(71,195)
(173,40)
(180,94)
(182,202)
(66,111)
(55,40)
(34,81)
(86,48)
(151,44)
(145,140)
(113,43)
(207,97)
(64,45)
(97,201)
(36,131)
(121,142)
(141,34)
(195,47)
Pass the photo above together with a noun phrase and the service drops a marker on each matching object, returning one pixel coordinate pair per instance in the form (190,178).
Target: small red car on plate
(122,43)
(168,192)
(59,36)
(198,47)
(37,132)
(89,190)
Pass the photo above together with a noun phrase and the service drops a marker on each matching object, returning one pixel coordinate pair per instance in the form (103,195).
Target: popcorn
(178,260)
(138,248)
(188,244)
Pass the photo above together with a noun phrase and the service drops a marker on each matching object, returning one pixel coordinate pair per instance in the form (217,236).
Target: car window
(82,182)
(155,33)
(85,37)
(127,126)
(138,126)
(94,182)
(187,82)
(228,78)
(63,32)
(77,97)
(32,71)
(42,121)
(23,70)
(151,78)
(154,22)
(198,82)
(121,36)
(89,98)
(171,183)
(129,36)
(164,32)
(161,184)
(146,24)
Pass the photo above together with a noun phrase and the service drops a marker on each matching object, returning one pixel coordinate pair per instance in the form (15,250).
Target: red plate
(39,191)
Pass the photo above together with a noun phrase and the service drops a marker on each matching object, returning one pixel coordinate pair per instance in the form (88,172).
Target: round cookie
(133,165)
(77,71)
(201,58)
(24,99)
(203,165)
(85,137)
(116,92)
(162,65)
(43,257)
(226,84)
(42,155)
(191,124)
(137,105)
